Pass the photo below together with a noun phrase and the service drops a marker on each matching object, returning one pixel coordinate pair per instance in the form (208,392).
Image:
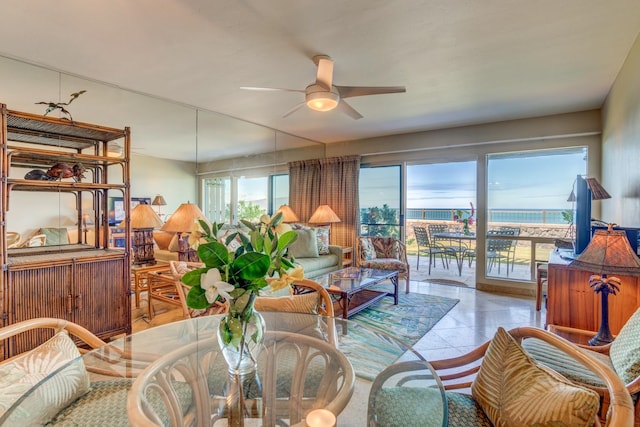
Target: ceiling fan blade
(294,109)
(351,91)
(344,107)
(325,71)
(271,89)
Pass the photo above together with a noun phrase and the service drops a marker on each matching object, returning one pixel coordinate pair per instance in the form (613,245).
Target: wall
(621,144)
(174,180)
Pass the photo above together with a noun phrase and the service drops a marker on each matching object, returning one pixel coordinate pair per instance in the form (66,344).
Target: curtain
(332,181)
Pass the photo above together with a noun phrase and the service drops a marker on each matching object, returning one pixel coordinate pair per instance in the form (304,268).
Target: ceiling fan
(323,95)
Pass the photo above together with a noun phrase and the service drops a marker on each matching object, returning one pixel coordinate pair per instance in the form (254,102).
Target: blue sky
(536,180)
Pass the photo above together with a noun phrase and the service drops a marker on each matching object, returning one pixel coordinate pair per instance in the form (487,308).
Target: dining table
(190,345)
(456,239)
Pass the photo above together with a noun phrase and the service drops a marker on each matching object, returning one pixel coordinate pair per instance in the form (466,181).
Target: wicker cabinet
(88,284)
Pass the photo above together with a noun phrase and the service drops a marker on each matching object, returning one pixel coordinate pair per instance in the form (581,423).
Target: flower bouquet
(238,276)
(465,218)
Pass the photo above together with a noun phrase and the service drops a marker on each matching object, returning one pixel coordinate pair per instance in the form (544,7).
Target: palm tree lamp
(609,252)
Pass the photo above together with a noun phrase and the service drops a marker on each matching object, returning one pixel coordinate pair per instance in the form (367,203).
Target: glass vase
(240,337)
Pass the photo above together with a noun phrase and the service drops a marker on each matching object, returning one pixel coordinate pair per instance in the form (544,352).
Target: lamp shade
(597,190)
(183,218)
(288,215)
(323,215)
(608,252)
(159,201)
(143,216)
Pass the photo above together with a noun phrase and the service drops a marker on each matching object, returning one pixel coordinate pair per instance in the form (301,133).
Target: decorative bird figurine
(51,106)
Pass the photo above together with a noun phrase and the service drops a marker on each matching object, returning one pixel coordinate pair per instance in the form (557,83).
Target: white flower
(213,286)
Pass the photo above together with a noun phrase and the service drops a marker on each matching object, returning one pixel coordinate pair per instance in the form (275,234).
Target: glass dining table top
(370,353)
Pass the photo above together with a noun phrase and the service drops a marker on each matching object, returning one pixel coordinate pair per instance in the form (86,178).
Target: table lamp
(288,215)
(143,220)
(324,215)
(181,223)
(159,201)
(609,252)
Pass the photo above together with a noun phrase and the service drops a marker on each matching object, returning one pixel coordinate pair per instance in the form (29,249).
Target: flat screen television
(582,215)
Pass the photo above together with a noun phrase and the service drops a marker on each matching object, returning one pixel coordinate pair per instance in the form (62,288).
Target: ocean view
(520,216)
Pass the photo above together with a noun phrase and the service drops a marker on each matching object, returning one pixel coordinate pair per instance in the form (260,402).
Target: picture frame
(116,208)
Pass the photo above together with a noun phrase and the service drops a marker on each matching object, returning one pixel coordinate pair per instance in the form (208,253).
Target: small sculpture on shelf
(38,175)
(64,170)
(51,106)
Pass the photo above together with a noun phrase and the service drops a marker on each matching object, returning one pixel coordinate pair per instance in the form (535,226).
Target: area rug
(407,322)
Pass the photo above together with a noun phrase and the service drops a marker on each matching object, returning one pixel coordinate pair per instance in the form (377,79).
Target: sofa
(311,250)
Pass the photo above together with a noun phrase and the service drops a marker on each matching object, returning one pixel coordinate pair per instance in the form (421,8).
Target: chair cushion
(106,404)
(625,350)
(463,411)
(306,245)
(55,236)
(557,360)
(513,390)
(409,407)
(367,249)
(19,375)
(385,264)
(304,303)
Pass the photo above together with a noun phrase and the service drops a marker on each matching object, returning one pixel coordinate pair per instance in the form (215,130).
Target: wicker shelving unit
(88,284)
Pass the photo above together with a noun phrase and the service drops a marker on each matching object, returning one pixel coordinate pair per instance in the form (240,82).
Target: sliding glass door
(380,190)
(528,207)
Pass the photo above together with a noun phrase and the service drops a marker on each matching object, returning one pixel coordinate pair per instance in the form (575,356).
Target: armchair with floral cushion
(384,253)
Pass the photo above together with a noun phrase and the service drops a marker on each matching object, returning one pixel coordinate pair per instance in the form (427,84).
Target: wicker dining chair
(499,383)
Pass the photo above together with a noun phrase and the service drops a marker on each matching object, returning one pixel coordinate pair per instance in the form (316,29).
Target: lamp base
(601,339)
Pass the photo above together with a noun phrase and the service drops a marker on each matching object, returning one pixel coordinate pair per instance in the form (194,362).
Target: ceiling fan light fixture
(323,101)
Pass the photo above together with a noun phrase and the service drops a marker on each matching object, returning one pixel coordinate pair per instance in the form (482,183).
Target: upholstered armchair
(499,383)
(384,253)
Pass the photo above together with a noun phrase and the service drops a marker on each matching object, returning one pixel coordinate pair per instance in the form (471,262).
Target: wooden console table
(571,302)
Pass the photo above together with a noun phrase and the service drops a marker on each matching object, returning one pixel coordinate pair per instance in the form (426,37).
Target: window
(229,199)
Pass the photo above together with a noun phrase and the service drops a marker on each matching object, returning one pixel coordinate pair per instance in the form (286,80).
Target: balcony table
(127,357)
(461,249)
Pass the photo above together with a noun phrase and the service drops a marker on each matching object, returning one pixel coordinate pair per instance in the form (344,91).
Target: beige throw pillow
(21,374)
(513,390)
(306,245)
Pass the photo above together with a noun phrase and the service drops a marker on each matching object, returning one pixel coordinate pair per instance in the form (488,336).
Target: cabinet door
(38,292)
(102,296)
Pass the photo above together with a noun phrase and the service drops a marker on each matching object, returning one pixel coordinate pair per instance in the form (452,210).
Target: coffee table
(351,288)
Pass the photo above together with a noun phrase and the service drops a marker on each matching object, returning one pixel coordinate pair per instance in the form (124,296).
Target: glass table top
(372,355)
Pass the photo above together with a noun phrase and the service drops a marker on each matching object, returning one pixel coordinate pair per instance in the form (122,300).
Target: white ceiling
(462,61)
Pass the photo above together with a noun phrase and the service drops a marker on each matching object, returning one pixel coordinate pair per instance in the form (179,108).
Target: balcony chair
(622,355)
(498,383)
(514,243)
(499,249)
(179,269)
(384,253)
(431,249)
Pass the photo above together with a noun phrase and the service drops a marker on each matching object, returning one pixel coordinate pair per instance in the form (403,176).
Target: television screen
(582,216)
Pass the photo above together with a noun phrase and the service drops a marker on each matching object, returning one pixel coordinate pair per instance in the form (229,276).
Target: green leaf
(192,278)
(249,224)
(205,227)
(286,240)
(277,219)
(251,265)
(257,241)
(196,298)
(213,254)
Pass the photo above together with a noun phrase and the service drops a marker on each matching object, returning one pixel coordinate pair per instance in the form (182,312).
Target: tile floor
(471,322)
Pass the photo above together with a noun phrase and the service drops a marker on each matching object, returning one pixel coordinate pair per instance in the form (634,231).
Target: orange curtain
(332,181)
